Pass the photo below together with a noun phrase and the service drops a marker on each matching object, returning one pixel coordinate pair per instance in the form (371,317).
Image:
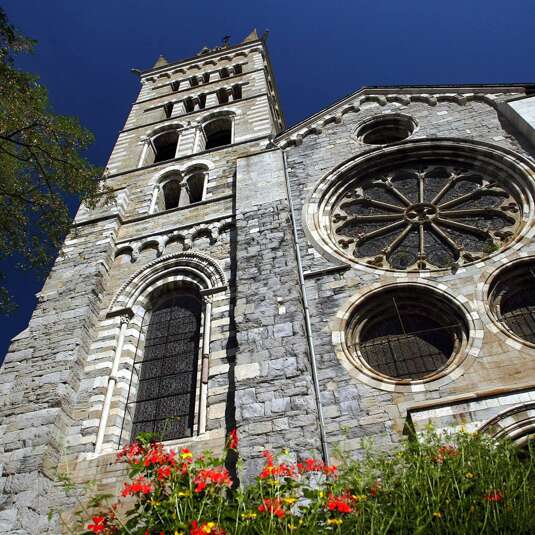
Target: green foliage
(454,484)
(41,165)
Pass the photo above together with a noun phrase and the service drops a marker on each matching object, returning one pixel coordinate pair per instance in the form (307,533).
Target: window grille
(407,335)
(513,298)
(161,397)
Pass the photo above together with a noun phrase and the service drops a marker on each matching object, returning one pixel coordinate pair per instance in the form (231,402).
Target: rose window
(425,216)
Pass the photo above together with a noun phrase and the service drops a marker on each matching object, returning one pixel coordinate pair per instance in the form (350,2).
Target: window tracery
(425,215)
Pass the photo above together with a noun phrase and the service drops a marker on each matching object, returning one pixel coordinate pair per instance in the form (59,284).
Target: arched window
(163,400)
(165,145)
(218,133)
(196,186)
(171,194)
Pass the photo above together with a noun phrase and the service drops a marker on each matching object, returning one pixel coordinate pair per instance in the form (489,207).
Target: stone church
(357,276)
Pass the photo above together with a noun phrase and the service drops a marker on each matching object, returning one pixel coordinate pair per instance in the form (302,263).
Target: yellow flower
(289,500)
(334,521)
(182,493)
(322,494)
(359,497)
(248,516)
(469,475)
(154,502)
(208,527)
(437,514)
(291,527)
(179,532)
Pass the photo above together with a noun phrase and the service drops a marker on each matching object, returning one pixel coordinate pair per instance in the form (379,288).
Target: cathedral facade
(357,276)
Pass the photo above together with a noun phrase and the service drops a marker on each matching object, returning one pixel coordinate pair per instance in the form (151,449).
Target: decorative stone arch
(516,423)
(126,313)
(150,139)
(320,203)
(461,361)
(210,121)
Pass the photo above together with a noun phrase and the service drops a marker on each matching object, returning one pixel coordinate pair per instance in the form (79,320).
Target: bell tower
(135,327)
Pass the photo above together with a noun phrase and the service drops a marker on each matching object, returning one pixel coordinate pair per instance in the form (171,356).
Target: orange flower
(445,452)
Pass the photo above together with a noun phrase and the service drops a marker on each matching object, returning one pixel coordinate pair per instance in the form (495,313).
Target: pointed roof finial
(160,62)
(253,36)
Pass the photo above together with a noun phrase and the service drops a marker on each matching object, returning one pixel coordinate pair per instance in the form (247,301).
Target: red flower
(342,504)
(99,524)
(313,465)
(493,496)
(156,455)
(218,476)
(139,486)
(273,470)
(163,472)
(208,528)
(233,439)
(272,506)
(132,452)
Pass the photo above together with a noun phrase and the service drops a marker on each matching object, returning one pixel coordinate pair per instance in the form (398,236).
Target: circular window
(406,333)
(512,300)
(421,207)
(386,129)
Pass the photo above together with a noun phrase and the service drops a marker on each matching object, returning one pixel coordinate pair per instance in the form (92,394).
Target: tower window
(193,81)
(188,105)
(237,69)
(196,187)
(171,194)
(206,77)
(167,369)
(222,96)
(218,133)
(236,92)
(202,101)
(168,109)
(175,85)
(224,73)
(165,145)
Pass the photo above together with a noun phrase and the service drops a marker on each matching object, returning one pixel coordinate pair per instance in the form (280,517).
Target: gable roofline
(459,89)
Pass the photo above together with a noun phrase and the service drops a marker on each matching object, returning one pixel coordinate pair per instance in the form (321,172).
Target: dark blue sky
(321,51)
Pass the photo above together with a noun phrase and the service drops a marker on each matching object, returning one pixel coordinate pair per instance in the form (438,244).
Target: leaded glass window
(407,333)
(166,369)
(425,215)
(512,298)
